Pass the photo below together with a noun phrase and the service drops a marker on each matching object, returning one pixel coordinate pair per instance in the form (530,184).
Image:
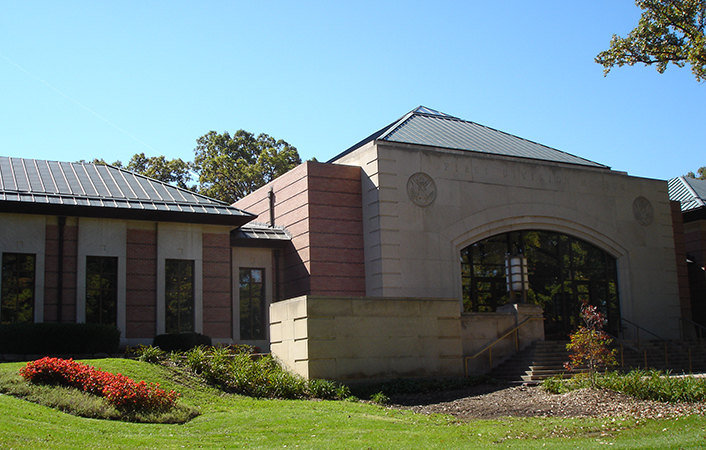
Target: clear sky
(89,79)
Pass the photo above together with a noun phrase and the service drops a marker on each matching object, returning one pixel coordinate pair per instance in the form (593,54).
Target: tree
(589,344)
(230,167)
(699,175)
(668,31)
(173,171)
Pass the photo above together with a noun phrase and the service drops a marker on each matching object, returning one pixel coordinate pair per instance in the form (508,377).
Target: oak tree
(230,167)
(669,31)
(174,171)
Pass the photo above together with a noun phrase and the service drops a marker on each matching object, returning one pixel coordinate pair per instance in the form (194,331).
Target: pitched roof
(689,191)
(260,235)
(97,190)
(424,126)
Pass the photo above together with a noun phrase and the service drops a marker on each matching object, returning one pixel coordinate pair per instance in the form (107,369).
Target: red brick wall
(141,283)
(682,268)
(51,272)
(321,206)
(217,312)
(695,244)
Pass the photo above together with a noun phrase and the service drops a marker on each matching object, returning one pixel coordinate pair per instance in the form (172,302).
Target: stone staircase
(545,359)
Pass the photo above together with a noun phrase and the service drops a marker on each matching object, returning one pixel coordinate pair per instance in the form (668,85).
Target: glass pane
(18,280)
(562,270)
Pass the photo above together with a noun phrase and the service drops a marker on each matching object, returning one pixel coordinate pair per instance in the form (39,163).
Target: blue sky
(84,80)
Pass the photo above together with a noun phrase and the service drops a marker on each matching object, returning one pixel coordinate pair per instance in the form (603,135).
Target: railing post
(691,370)
(622,356)
(645,359)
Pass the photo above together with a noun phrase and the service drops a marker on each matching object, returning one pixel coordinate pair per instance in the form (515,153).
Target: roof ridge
(436,129)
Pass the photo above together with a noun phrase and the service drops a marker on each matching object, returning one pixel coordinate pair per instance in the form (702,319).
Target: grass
(233,421)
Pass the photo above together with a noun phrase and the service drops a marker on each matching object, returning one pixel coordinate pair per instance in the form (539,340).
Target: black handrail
(697,326)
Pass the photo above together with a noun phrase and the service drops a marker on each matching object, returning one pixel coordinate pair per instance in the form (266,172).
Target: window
(18,272)
(101,290)
(252,304)
(564,271)
(179,296)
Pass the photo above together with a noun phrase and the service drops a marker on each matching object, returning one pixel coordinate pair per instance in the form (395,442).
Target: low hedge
(180,342)
(58,338)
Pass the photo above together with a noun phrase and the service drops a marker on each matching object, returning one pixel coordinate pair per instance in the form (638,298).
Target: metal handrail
(490,346)
(666,341)
(697,326)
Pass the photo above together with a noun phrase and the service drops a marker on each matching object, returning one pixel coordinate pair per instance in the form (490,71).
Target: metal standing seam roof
(690,192)
(425,126)
(260,235)
(54,184)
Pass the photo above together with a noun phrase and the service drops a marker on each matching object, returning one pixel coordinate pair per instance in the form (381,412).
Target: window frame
(169,327)
(17,273)
(250,332)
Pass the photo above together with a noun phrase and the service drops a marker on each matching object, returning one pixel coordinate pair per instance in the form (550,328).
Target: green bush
(645,385)
(236,370)
(147,353)
(180,341)
(58,338)
(380,398)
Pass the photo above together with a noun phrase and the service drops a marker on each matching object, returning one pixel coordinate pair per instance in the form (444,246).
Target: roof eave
(125,214)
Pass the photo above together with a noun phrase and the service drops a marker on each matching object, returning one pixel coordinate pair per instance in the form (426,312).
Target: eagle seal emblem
(421,189)
(643,211)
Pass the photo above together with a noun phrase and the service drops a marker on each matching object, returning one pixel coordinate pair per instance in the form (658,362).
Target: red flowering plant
(589,344)
(119,390)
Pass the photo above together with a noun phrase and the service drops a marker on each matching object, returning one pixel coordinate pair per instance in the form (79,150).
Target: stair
(685,357)
(545,359)
(542,359)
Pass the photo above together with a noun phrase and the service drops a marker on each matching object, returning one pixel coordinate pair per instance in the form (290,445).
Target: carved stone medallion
(421,189)
(643,211)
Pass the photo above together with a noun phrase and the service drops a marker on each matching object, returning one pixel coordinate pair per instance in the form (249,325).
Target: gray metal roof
(260,235)
(425,126)
(29,185)
(689,191)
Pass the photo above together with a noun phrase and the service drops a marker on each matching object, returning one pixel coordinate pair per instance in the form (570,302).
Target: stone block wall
(367,338)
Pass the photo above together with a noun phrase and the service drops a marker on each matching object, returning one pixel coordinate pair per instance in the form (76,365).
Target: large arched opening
(564,272)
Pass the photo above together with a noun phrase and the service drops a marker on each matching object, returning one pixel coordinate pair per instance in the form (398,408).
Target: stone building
(388,260)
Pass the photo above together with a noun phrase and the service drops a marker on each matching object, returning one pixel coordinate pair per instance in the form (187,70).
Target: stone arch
(519,217)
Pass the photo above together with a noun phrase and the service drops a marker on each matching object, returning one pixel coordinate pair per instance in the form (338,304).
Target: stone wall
(480,330)
(413,249)
(367,338)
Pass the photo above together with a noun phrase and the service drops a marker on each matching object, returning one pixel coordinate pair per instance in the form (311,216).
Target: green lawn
(228,421)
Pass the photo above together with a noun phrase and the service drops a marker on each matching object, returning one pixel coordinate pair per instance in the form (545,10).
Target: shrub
(645,385)
(180,341)
(235,369)
(147,353)
(325,389)
(589,344)
(58,338)
(380,398)
(119,390)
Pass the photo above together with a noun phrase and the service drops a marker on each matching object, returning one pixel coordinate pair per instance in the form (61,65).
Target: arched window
(563,272)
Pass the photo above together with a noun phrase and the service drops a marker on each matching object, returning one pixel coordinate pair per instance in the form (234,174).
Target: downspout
(60,269)
(271,196)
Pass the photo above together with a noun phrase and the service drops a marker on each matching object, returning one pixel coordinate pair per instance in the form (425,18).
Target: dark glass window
(102,290)
(563,272)
(18,274)
(179,296)
(252,304)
